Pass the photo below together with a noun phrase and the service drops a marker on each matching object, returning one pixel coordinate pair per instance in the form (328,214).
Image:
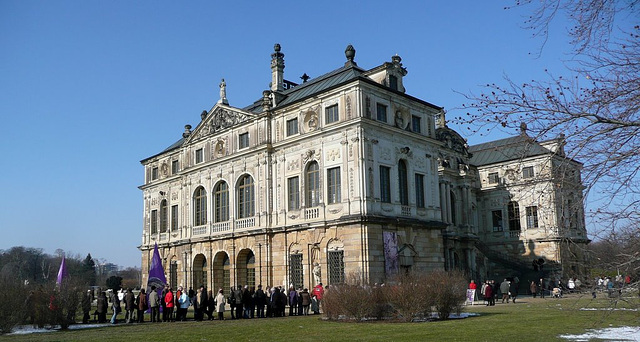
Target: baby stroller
(556,293)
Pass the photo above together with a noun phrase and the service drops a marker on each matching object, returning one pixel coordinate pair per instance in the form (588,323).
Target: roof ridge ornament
(350,53)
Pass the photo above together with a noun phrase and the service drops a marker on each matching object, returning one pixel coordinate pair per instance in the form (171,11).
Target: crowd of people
(167,305)
(509,288)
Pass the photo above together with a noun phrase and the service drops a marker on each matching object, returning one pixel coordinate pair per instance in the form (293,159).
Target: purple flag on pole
(62,272)
(156,273)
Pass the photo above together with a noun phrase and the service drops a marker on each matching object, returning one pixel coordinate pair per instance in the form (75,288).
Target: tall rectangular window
(293,189)
(416,124)
(514,216)
(174,217)
(331,114)
(419,190)
(243,140)
(336,267)
(154,221)
(173,273)
(385,184)
(496,217)
(381,111)
(154,173)
(164,216)
(295,270)
(199,156)
(532,217)
(292,126)
(175,167)
(527,172)
(493,178)
(333,185)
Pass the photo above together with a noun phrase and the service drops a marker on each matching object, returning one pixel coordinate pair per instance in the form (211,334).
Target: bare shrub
(448,290)
(410,297)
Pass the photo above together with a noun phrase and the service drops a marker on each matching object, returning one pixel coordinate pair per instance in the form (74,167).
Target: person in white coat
(220,303)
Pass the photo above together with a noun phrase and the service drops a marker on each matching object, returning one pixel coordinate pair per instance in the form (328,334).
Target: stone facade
(341,176)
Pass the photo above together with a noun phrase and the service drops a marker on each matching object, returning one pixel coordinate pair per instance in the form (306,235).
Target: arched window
(246,198)
(313,185)
(251,269)
(200,207)
(221,202)
(403,183)
(164,219)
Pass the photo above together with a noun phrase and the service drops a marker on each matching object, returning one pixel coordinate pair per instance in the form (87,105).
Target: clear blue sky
(89,88)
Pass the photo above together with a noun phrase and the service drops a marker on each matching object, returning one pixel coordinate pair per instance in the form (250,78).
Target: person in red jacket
(472,285)
(318,291)
(168,300)
(488,295)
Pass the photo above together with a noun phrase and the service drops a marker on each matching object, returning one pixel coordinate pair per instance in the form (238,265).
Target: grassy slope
(528,320)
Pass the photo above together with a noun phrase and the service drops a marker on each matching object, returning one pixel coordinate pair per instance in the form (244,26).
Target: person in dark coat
(246,302)
(305,300)
(142,305)
(260,299)
(488,295)
(86,307)
(237,294)
(513,290)
(101,308)
(211,305)
(129,305)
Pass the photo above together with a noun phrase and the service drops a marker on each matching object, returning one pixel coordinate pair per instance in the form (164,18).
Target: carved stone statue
(316,273)
(223,92)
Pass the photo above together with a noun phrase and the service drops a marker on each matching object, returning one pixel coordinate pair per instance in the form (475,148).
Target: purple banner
(62,272)
(156,273)
(390,240)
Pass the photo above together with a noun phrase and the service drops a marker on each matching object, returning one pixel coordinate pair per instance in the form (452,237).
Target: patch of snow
(607,309)
(608,334)
(28,329)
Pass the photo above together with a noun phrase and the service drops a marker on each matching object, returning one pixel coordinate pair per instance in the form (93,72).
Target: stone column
(443,207)
(448,202)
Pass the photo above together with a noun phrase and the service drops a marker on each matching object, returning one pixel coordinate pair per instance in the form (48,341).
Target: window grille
(295,270)
(336,267)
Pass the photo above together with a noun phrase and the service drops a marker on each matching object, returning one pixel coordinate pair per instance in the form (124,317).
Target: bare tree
(596,108)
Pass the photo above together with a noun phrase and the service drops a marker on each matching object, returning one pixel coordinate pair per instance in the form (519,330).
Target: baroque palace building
(346,175)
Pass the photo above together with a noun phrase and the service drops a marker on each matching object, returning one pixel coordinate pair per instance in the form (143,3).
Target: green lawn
(528,320)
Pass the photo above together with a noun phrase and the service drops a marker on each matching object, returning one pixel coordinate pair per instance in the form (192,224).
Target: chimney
(277,69)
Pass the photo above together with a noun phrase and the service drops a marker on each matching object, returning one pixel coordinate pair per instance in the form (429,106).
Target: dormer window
(393,82)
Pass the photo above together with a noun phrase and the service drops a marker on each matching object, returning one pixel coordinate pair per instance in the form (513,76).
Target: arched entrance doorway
(221,272)
(199,271)
(246,268)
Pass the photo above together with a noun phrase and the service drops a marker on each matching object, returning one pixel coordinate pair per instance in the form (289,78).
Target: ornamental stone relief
(385,153)
(333,154)
(310,122)
(348,107)
(293,165)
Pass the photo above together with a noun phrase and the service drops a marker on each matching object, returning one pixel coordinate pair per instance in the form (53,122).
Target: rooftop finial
(276,47)
(350,53)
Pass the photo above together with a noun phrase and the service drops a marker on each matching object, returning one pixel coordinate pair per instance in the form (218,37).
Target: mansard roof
(513,148)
